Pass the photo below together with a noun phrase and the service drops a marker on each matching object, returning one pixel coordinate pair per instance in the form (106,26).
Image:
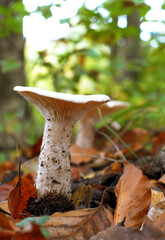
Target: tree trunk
(11,49)
(132,48)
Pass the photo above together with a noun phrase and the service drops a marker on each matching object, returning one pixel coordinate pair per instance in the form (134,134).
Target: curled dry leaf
(133,196)
(82,191)
(19,196)
(79,224)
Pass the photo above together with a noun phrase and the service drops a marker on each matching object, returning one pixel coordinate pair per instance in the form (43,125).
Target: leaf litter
(123,211)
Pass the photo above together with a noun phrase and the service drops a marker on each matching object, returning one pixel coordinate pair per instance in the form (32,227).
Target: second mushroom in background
(86,125)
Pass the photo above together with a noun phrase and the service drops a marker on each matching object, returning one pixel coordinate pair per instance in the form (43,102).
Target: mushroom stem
(53,175)
(85,134)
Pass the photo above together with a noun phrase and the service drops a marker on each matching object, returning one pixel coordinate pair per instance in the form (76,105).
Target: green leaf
(65,20)
(37,220)
(8,65)
(45,10)
(45,232)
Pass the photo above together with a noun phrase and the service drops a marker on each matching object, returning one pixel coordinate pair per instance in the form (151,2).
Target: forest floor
(118,191)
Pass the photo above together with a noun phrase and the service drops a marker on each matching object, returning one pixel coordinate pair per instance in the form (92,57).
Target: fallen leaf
(151,231)
(7,227)
(82,191)
(135,139)
(82,155)
(158,142)
(79,224)
(162,179)
(30,232)
(156,210)
(4,206)
(5,189)
(19,196)
(156,196)
(160,222)
(133,196)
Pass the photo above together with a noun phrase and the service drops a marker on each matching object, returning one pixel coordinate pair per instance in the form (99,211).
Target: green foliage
(40,221)
(37,220)
(11,18)
(45,10)
(91,59)
(8,65)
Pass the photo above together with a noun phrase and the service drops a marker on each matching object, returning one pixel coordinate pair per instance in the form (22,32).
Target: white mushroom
(86,132)
(61,111)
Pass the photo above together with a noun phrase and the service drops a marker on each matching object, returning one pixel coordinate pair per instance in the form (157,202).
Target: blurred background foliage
(97,56)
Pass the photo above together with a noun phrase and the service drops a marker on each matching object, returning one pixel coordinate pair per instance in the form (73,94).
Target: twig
(96,156)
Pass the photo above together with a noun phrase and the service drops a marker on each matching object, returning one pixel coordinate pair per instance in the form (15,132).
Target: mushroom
(86,132)
(61,111)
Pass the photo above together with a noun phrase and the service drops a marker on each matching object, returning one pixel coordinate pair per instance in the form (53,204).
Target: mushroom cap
(61,106)
(105,109)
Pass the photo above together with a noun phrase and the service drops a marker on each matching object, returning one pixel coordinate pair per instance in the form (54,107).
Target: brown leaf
(5,189)
(158,142)
(135,139)
(162,179)
(82,155)
(160,222)
(151,230)
(7,227)
(79,224)
(19,196)
(120,233)
(133,196)
(82,191)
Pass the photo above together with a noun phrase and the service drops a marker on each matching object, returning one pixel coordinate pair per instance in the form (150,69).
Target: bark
(132,48)
(11,47)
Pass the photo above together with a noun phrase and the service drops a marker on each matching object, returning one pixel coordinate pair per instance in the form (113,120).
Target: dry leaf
(156,196)
(82,155)
(162,179)
(82,191)
(7,227)
(160,222)
(150,230)
(157,210)
(19,196)
(5,189)
(158,142)
(4,206)
(133,196)
(79,224)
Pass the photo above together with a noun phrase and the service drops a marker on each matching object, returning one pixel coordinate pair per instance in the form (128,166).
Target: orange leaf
(133,196)
(7,227)
(30,232)
(81,155)
(79,224)
(19,196)
(158,142)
